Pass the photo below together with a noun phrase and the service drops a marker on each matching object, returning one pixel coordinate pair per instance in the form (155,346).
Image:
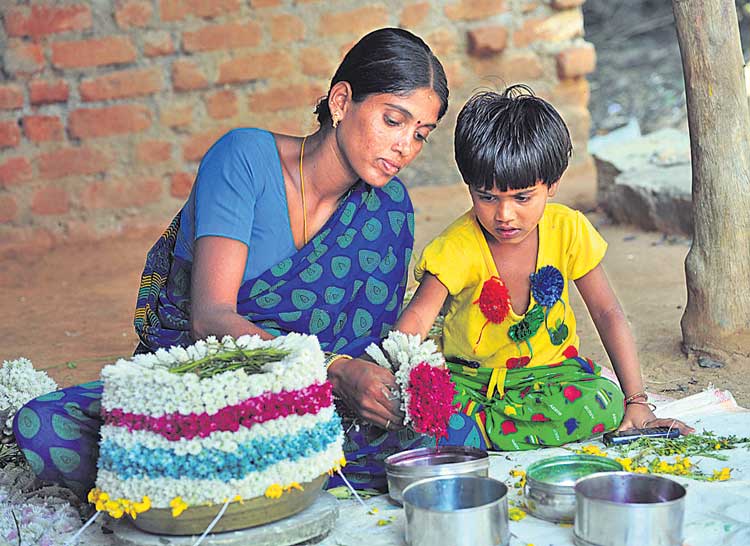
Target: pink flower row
(266,407)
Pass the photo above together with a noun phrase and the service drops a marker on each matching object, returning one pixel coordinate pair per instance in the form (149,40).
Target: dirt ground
(70,311)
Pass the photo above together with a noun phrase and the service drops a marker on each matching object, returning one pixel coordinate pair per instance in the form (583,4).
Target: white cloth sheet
(716,513)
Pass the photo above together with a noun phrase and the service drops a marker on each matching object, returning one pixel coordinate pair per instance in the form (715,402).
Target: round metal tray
(249,513)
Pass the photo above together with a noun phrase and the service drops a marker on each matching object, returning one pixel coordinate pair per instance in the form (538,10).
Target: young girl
(509,333)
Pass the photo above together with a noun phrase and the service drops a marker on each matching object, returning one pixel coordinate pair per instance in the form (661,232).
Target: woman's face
(382,134)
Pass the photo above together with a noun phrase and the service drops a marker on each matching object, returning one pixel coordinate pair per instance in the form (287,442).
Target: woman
(283,234)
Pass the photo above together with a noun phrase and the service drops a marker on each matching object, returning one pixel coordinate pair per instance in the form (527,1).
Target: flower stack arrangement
(216,424)
(424,383)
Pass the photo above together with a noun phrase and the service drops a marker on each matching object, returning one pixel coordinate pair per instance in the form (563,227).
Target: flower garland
(425,388)
(19,383)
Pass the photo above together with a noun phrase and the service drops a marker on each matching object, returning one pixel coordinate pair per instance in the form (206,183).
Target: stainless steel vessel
(549,485)
(457,511)
(624,509)
(409,466)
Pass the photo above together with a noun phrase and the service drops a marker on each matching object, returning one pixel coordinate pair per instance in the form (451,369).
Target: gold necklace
(302,190)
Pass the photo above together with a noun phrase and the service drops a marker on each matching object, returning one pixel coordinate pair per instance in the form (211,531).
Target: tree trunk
(717,316)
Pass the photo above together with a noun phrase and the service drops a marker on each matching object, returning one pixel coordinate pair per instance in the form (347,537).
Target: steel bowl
(457,510)
(549,485)
(407,467)
(624,509)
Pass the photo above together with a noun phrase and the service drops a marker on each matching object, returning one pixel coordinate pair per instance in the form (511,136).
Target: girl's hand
(368,389)
(641,416)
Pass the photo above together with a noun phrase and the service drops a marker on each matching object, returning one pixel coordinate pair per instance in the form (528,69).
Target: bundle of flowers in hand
(19,383)
(424,383)
(215,423)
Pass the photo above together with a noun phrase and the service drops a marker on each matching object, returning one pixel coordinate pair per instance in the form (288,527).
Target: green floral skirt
(527,408)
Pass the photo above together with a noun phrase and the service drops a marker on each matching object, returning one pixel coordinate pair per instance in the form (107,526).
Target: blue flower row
(212,464)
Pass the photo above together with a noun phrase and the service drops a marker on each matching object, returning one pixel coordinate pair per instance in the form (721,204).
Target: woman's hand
(368,390)
(641,416)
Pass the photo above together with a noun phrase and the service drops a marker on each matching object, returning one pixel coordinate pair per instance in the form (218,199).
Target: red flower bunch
(494,303)
(430,399)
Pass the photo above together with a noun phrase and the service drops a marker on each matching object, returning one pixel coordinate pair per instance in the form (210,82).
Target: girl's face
(508,217)
(382,134)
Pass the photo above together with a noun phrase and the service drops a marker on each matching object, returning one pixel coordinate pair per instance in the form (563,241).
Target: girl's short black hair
(510,140)
(388,60)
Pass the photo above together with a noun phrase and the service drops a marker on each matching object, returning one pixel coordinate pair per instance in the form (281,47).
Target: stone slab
(315,522)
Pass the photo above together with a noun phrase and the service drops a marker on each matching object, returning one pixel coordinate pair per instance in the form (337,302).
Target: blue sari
(346,286)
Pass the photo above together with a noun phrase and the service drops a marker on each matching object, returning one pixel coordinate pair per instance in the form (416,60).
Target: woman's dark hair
(388,60)
(510,140)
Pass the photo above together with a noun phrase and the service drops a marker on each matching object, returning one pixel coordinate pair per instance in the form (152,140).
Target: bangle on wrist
(330,358)
(640,394)
(639,403)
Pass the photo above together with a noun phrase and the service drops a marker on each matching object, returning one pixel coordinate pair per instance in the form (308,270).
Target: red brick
(357,21)
(316,62)
(414,14)
(156,44)
(180,185)
(222,104)
(110,120)
(43,128)
(562,26)
(287,28)
(512,67)
(284,97)
(576,61)
(175,10)
(254,67)
(94,52)
(41,20)
(176,115)
(24,57)
(225,36)
(72,161)
(470,10)
(264,3)
(47,92)
(50,201)
(122,84)
(487,41)
(11,97)
(567,4)
(153,151)
(14,171)
(133,13)
(117,194)
(8,208)
(199,143)
(10,134)
(442,41)
(186,76)
(575,91)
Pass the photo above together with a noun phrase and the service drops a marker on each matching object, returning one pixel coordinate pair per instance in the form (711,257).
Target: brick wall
(107,107)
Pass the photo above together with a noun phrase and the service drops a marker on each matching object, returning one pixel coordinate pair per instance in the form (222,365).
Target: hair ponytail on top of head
(388,60)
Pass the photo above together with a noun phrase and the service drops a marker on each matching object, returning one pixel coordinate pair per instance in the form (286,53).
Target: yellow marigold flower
(93,495)
(178,506)
(721,475)
(111,505)
(342,462)
(717,446)
(142,506)
(274,491)
(641,470)
(516,514)
(626,462)
(687,462)
(116,513)
(509,410)
(517,473)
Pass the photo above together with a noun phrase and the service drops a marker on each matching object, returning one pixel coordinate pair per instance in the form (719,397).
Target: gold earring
(335,118)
